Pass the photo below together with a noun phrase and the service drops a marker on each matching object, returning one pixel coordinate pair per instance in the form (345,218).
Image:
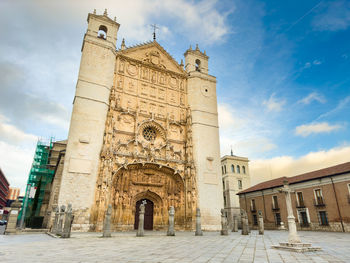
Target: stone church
(143,127)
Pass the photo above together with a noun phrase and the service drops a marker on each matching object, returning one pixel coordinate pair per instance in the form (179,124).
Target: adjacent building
(235,178)
(321,200)
(4,189)
(13,193)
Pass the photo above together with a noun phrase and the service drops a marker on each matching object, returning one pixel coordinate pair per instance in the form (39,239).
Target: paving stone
(155,247)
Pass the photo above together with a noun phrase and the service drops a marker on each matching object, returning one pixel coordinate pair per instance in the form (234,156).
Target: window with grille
(323,218)
(319,198)
(255,220)
(278,219)
(149,134)
(275,202)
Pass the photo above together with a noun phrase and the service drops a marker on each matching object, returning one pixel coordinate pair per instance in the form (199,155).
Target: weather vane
(154,31)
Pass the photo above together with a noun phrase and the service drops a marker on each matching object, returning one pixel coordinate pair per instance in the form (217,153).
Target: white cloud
(198,20)
(273,104)
(316,62)
(243,130)
(335,16)
(341,105)
(322,127)
(267,169)
(10,133)
(15,163)
(314,96)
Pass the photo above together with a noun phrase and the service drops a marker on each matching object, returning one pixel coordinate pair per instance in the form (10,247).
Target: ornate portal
(147,148)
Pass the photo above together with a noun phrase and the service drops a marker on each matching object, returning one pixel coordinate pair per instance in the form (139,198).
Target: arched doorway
(148,222)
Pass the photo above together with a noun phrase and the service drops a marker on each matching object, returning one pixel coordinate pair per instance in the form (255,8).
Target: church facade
(143,128)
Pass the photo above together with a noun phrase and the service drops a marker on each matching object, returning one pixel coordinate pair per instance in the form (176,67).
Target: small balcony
(275,208)
(300,204)
(319,203)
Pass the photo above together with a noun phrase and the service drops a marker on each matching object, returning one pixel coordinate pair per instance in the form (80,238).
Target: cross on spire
(154,31)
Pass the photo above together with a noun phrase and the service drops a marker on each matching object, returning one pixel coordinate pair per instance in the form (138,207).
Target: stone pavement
(184,247)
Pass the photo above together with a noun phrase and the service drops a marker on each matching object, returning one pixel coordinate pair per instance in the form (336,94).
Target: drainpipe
(336,199)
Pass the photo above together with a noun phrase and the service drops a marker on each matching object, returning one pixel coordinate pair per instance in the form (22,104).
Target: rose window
(149,134)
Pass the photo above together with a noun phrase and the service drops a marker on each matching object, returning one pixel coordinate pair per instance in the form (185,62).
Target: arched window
(102,32)
(225,169)
(238,169)
(198,65)
(243,167)
(232,168)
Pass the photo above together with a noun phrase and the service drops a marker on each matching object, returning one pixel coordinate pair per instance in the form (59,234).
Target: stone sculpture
(60,220)
(107,222)
(235,224)
(55,221)
(294,243)
(261,223)
(68,219)
(171,231)
(224,231)
(245,225)
(198,223)
(140,230)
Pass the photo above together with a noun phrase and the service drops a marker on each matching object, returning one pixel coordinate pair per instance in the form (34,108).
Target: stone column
(171,231)
(67,222)
(55,221)
(224,231)
(12,220)
(60,220)
(293,235)
(261,223)
(107,222)
(140,230)
(198,223)
(245,225)
(235,224)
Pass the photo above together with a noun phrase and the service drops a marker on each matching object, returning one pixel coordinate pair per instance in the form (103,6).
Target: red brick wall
(331,207)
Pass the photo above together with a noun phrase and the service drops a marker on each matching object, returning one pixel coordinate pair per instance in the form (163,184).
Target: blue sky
(282,69)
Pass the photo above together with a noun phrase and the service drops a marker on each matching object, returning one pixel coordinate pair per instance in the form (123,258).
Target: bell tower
(205,134)
(88,118)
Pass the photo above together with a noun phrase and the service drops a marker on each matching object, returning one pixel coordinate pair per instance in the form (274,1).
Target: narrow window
(223,184)
(243,167)
(278,219)
(198,65)
(222,169)
(225,168)
(238,169)
(255,220)
(102,32)
(323,218)
(239,184)
(275,202)
(224,200)
(252,205)
(318,197)
(232,168)
(300,199)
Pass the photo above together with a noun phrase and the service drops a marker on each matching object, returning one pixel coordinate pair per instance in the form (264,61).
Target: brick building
(4,189)
(321,200)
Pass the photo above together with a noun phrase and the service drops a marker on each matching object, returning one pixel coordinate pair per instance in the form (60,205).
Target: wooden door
(148,222)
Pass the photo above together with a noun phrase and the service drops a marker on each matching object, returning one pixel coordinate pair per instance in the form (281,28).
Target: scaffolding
(40,177)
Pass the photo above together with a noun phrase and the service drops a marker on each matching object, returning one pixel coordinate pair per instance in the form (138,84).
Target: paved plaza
(184,247)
